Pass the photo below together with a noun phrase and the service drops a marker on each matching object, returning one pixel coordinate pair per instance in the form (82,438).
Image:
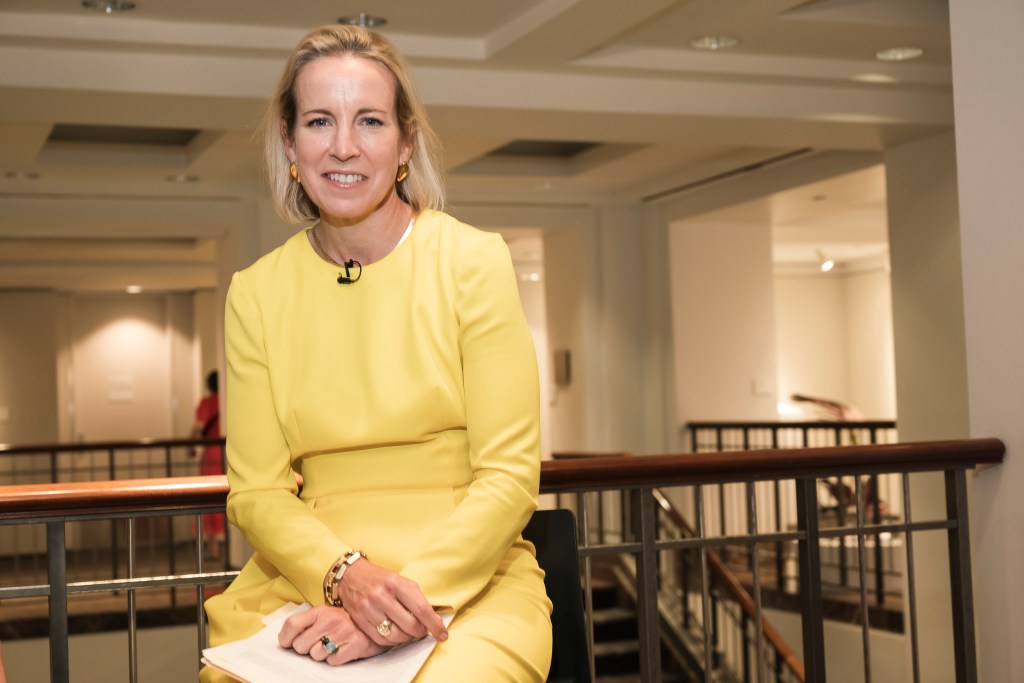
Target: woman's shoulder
(268,267)
(461,238)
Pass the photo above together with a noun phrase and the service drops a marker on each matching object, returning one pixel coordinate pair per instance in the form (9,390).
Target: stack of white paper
(259,659)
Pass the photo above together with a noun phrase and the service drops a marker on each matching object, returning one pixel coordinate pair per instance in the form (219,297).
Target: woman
(207,426)
(383,355)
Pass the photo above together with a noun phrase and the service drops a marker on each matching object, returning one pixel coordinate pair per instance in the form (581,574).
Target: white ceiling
(666,121)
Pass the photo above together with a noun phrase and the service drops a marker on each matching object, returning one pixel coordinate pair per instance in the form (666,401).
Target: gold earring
(294,170)
(403,172)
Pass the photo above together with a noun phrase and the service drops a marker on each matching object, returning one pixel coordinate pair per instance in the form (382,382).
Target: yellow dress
(408,401)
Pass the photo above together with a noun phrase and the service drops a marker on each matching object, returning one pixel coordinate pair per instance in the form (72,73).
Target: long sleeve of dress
(502,421)
(262,501)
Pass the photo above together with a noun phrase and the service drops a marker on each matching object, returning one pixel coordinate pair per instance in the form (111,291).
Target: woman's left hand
(303,632)
(389,608)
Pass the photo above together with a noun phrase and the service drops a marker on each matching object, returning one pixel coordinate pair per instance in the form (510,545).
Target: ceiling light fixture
(108,6)
(714,42)
(363,19)
(182,178)
(898,54)
(22,175)
(133,289)
(826,264)
(874,78)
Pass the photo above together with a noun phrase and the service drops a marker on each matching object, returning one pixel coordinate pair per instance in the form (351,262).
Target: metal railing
(55,507)
(96,547)
(882,499)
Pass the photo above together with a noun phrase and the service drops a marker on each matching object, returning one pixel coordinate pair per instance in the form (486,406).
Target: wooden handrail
(792,424)
(75,447)
(36,500)
(104,497)
(735,466)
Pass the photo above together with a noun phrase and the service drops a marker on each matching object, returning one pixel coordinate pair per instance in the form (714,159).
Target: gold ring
(384,627)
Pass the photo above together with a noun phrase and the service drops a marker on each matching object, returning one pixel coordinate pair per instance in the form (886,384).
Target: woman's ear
(289,144)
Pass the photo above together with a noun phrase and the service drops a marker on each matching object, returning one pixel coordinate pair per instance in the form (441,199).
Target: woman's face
(346,143)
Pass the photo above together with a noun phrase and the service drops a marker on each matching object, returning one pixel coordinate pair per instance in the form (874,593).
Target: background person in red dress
(207,426)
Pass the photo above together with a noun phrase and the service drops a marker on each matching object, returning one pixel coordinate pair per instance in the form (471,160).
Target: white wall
(870,367)
(811,336)
(844,647)
(99,366)
(834,340)
(121,363)
(28,368)
(723,321)
(988,96)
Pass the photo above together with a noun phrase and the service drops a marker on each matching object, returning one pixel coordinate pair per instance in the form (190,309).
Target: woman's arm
(262,501)
(503,429)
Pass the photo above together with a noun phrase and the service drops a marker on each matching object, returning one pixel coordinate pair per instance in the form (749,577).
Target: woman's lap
(502,635)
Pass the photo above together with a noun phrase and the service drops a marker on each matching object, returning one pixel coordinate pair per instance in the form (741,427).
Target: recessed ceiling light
(545,186)
(133,289)
(363,19)
(22,175)
(714,42)
(182,178)
(108,6)
(898,54)
(874,78)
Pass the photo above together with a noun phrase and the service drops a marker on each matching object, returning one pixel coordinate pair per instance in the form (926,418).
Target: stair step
(616,647)
(617,657)
(615,623)
(635,678)
(603,616)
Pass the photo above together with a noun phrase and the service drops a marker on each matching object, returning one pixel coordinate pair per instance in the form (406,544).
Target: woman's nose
(344,145)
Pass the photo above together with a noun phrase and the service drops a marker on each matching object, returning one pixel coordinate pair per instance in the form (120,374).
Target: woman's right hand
(372,595)
(302,632)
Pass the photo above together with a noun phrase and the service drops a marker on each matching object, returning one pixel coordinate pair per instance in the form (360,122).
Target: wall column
(989,106)
(931,374)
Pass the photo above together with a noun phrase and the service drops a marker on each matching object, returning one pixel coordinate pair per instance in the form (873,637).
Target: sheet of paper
(259,659)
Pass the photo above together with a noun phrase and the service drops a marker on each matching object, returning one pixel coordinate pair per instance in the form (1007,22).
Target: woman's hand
(302,632)
(389,608)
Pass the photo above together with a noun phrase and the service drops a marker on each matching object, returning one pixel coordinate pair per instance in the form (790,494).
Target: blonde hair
(422,189)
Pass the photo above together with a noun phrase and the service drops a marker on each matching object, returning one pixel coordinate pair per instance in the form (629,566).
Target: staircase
(616,639)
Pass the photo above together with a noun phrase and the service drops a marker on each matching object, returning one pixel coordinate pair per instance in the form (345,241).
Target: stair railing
(677,616)
(882,492)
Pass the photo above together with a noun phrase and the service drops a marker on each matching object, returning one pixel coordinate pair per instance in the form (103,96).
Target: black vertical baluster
(647,588)
(172,560)
(865,609)
(745,645)
(809,551)
(58,583)
(965,659)
(780,560)
(911,581)
(114,551)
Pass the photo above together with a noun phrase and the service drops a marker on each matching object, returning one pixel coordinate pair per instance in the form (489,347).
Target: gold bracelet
(337,572)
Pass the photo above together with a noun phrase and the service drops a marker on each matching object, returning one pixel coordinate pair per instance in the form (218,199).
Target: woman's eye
(371,121)
(314,123)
